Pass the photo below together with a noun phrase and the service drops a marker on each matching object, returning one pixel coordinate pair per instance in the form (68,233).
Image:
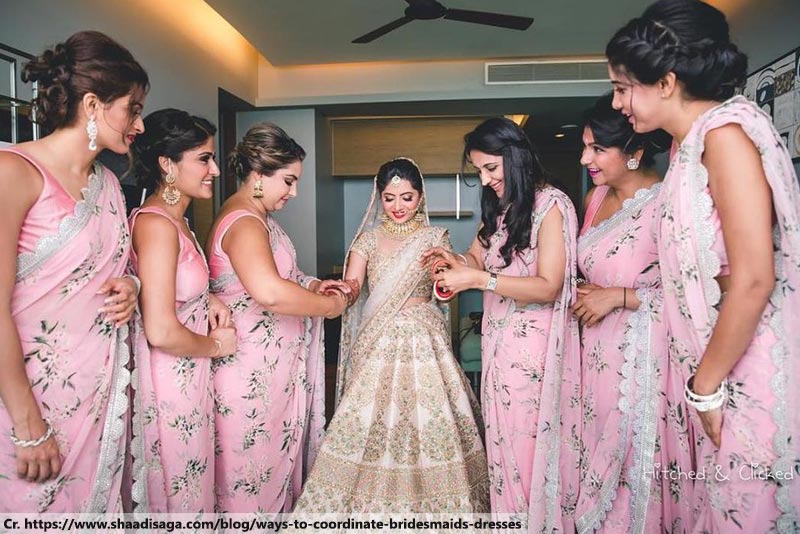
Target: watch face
(491,285)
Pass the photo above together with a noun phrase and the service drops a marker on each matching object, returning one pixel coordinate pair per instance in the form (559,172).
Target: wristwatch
(491,284)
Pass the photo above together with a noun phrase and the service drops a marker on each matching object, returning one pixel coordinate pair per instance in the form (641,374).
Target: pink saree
(750,482)
(531,387)
(76,361)
(173,422)
(269,395)
(634,426)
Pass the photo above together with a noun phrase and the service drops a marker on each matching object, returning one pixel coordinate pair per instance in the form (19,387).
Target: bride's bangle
(704,403)
(33,442)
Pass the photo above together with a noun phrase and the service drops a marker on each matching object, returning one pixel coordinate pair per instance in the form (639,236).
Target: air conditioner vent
(549,71)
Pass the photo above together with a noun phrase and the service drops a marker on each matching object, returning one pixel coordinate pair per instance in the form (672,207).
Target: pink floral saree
(634,426)
(531,387)
(269,395)
(751,481)
(76,361)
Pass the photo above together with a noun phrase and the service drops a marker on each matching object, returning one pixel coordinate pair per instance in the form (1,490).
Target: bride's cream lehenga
(406,435)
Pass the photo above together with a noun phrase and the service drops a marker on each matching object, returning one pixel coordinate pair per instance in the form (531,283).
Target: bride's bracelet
(704,403)
(32,442)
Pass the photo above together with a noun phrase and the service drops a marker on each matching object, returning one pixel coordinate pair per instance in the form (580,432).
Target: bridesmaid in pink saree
(181,327)
(65,300)
(269,395)
(634,428)
(730,281)
(524,259)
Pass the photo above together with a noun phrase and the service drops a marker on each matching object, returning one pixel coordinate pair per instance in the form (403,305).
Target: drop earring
(91,131)
(258,189)
(170,194)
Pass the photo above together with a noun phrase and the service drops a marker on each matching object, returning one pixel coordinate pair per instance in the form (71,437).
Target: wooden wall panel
(361,146)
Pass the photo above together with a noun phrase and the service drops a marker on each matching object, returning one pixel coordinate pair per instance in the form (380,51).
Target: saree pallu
(75,360)
(270,394)
(634,421)
(531,386)
(173,403)
(404,437)
(751,479)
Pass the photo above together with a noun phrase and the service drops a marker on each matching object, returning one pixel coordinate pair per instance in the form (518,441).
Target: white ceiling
(302,32)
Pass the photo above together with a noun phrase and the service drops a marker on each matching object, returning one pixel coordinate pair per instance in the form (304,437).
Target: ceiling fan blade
(383,30)
(512,22)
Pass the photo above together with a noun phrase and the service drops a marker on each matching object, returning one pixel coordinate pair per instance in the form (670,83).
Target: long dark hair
(611,129)
(167,132)
(523,173)
(687,37)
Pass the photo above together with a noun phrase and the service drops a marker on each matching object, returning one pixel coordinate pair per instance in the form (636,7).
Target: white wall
(298,218)
(395,82)
(188,50)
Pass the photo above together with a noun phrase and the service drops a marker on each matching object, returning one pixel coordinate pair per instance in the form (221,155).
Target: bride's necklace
(393,229)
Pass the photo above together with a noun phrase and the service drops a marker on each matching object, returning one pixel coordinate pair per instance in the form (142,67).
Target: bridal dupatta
(75,359)
(761,416)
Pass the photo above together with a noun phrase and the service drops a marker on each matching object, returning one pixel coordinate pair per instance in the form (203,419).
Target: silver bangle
(26,443)
(705,403)
(137,282)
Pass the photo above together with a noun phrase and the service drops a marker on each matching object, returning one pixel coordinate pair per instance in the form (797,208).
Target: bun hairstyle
(402,167)
(170,133)
(87,62)
(687,37)
(523,174)
(265,148)
(611,128)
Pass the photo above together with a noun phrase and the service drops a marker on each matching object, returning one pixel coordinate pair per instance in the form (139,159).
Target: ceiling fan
(431,10)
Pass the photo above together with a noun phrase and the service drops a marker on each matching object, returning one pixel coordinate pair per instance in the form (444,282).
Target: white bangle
(705,403)
(33,442)
(137,282)
(466,263)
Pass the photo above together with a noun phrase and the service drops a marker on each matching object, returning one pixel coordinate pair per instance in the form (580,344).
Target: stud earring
(170,194)
(632,164)
(258,189)
(91,131)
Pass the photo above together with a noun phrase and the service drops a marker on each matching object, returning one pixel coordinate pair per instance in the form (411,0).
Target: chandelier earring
(419,216)
(170,194)
(91,131)
(632,163)
(258,189)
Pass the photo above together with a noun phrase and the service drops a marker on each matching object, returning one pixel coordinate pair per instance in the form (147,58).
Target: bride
(404,437)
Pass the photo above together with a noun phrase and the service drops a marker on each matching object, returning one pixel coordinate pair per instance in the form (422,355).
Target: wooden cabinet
(361,146)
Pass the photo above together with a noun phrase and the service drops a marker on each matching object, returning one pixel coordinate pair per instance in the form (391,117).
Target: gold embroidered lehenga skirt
(406,436)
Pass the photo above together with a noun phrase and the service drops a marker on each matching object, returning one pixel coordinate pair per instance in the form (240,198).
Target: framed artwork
(776,89)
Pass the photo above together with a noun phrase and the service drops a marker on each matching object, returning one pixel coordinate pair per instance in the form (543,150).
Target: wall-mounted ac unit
(547,71)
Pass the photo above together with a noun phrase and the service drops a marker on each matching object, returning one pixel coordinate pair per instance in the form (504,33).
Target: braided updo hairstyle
(610,128)
(87,62)
(265,148)
(687,37)
(167,132)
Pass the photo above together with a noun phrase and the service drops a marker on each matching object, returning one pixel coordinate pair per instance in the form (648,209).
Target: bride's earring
(420,215)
